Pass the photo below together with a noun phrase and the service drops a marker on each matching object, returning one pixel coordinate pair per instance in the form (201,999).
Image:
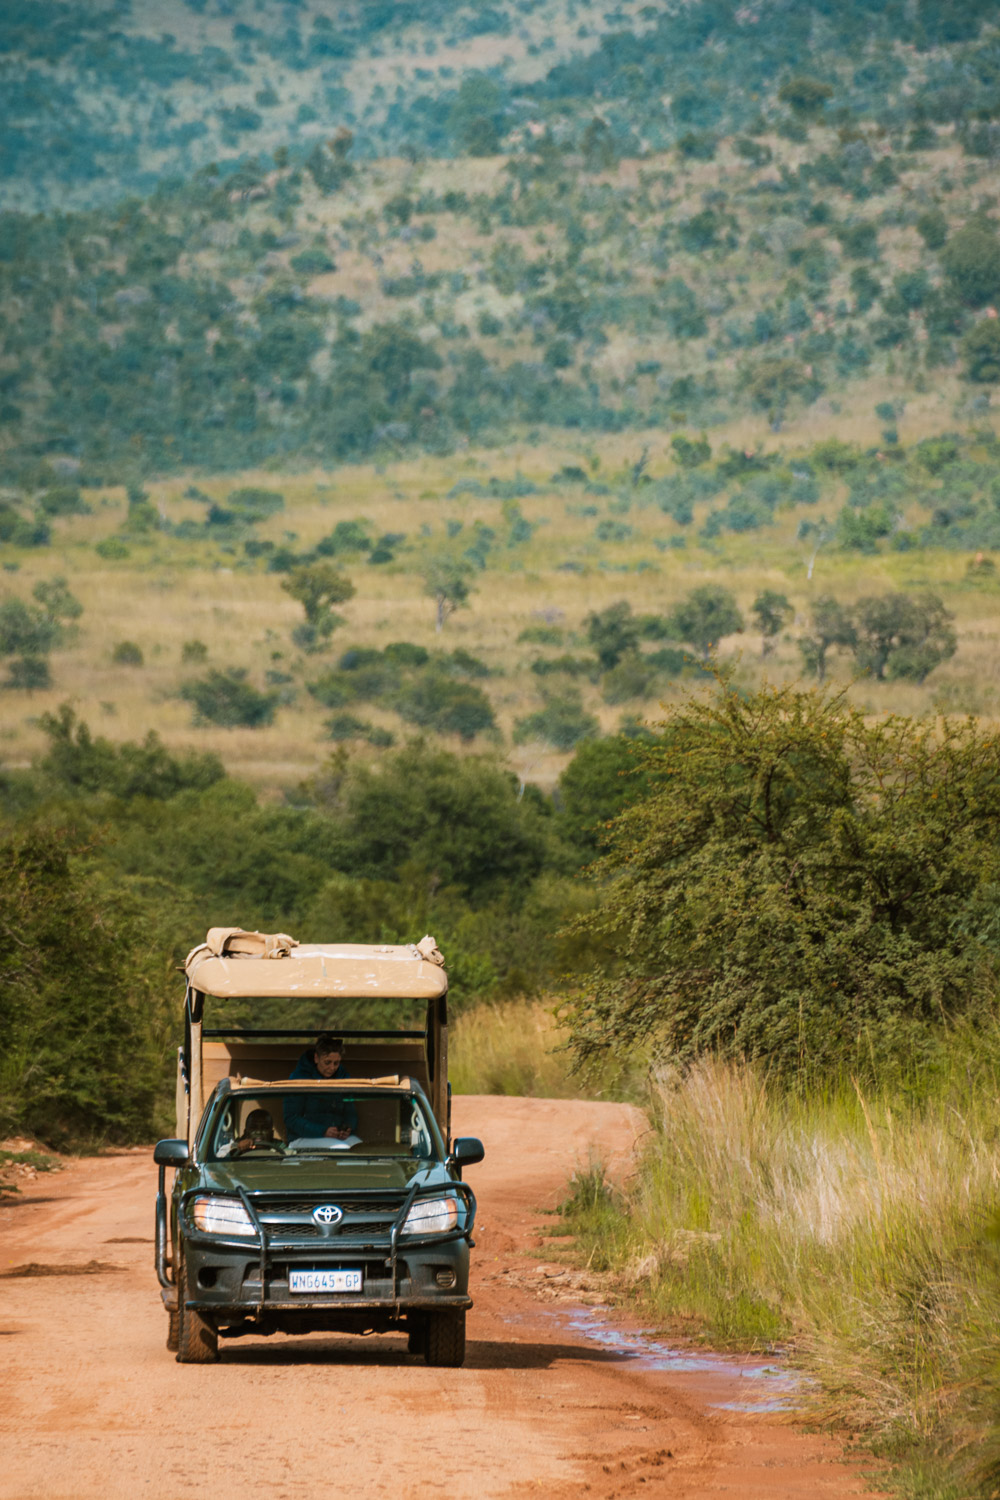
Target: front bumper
(233,1280)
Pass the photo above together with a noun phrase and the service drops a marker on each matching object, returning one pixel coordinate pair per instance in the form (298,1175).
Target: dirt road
(92,1405)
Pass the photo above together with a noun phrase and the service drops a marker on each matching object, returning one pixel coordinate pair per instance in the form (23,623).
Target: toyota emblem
(327,1215)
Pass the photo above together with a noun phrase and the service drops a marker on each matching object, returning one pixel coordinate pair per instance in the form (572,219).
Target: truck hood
(329,1175)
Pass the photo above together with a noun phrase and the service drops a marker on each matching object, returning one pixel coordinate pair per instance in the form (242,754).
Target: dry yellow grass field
(169,591)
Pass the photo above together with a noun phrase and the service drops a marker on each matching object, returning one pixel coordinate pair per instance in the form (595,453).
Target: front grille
(382,1204)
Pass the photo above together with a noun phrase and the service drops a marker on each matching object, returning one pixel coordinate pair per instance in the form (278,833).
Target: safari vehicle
(272,1229)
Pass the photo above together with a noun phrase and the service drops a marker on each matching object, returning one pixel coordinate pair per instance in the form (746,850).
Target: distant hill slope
(97,99)
(682,224)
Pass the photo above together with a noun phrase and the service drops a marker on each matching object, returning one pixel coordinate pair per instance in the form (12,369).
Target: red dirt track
(92,1405)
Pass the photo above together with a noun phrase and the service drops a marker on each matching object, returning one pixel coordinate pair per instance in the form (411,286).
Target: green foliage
(831,626)
(806,96)
(459,819)
(226,698)
(902,636)
(971,260)
(447,580)
(82,764)
(932,226)
(28,674)
(317,587)
(981,347)
(81,1008)
(691,452)
(707,614)
(771,611)
(434,700)
(562,723)
(799,884)
(127,654)
(603,776)
(612,632)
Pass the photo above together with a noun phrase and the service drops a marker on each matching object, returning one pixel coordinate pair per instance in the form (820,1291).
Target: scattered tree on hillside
(832,626)
(771,611)
(447,581)
(971,260)
(317,587)
(707,614)
(902,636)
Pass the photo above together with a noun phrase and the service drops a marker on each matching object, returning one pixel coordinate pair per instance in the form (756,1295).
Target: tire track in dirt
(92,1407)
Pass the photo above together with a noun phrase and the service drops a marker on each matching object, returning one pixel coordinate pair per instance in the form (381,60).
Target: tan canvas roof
(349,970)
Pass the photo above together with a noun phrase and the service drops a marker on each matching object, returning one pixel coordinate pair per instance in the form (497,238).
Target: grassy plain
(171,590)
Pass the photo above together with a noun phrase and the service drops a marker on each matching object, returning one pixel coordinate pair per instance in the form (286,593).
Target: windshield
(276,1124)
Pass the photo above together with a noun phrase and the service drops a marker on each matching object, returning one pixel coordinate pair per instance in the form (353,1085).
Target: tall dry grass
(519,1047)
(859,1229)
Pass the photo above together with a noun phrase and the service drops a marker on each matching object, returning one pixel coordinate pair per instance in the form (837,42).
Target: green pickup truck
(315,1187)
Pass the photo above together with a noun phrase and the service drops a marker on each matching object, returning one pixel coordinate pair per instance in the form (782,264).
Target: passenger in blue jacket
(319,1113)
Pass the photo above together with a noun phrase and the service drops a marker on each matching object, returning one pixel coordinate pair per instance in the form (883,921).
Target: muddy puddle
(729,1382)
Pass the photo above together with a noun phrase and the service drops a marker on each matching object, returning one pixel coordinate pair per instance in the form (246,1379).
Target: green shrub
(971,260)
(434,700)
(194,652)
(563,723)
(112,549)
(981,347)
(127,654)
(634,676)
(226,698)
(28,674)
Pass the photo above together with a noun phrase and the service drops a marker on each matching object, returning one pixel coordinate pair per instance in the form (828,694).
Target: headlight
(431,1216)
(221,1216)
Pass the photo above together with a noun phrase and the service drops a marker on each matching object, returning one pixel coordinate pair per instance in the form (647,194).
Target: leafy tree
(932,226)
(612,632)
(903,636)
(127,654)
(317,587)
(226,698)
(797,884)
(603,776)
(459,819)
(981,347)
(832,626)
(971,260)
(83,1020)
(691,452)
(83,764)
(805,96)
(562,723)
(771,611)
(447,580)
(707,614)
(434,700)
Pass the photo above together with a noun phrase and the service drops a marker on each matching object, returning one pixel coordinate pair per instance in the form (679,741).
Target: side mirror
(466,1151)
(171,1153)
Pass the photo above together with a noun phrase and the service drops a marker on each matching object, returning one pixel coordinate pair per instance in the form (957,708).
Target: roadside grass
(517,1047)
(860,1231)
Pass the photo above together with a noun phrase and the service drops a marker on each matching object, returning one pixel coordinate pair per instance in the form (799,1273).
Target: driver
(319,1113)
(258,1131)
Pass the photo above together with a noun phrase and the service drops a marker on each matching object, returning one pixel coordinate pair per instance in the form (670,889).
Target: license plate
(324,1281)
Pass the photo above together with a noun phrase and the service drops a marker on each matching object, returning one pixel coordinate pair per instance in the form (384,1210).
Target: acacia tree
(902,636)
(447,581)
(831,626)
(317,587)
(771,610)
(707,614)
(796,883)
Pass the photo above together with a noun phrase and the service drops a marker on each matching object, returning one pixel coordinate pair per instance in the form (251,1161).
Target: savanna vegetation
(530,473)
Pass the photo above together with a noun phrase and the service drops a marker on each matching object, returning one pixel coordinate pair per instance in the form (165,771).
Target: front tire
(173,1324)
(445,1340)
(197,1340)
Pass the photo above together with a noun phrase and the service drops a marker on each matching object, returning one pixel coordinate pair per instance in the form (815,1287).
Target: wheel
(173,1321)
(197,1340)
(445,1339)
(416,1338)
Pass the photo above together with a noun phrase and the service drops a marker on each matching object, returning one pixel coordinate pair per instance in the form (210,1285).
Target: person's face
(327,1063)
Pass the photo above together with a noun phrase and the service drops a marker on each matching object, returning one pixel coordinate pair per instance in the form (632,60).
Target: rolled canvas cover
(240,965)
